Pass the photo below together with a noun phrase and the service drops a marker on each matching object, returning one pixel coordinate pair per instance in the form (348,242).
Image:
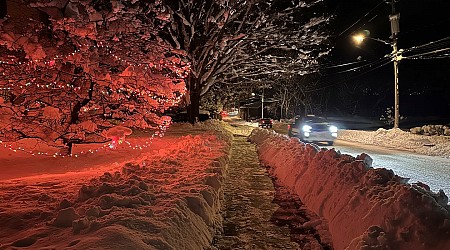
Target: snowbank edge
(363,206)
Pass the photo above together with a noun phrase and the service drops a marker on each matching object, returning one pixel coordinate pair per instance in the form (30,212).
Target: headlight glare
(306,128)
(333,129)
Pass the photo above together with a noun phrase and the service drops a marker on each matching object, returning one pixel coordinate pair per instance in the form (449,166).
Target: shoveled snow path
(256,216)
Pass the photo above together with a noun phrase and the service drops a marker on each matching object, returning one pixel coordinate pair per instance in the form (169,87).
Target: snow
(365,208)
(169,194)
(166,196)
(396,138)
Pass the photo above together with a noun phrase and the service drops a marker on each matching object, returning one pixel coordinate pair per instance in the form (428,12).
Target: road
(433,171)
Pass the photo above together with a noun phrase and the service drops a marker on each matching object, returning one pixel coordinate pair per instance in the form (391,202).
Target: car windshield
(315,119)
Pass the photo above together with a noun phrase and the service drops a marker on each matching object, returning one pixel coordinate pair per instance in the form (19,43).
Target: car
(265,123)
(313,129)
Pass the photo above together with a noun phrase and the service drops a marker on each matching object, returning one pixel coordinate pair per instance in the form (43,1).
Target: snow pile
(431,130)
(365,208)
(397,138)
(168,199)
(223,128)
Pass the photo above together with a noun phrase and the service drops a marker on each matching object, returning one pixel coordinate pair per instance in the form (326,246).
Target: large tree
(69,70)
(241,41)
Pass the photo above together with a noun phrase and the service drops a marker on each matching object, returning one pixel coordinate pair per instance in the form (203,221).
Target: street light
(359,39)
(397,56)
(262,103)
(394,18)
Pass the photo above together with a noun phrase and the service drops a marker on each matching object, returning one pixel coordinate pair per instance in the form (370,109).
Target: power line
(365,15)
(330,66)
(427,53)
(427,45)
(342,65)
(349,78)
(370,64)
(443,56)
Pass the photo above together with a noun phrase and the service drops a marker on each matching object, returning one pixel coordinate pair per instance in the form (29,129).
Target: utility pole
(395,29)
(262,104)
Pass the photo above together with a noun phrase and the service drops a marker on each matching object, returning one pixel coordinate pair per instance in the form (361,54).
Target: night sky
(424,84)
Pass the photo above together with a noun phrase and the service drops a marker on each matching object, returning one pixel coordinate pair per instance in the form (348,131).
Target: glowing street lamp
(358,39)
(397,56)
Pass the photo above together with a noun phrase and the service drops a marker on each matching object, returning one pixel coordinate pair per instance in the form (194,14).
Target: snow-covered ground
(166,197)
(365,208)
(169,195)
(434,145)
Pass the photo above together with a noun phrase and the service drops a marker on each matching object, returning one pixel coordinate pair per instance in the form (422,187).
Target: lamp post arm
(379,40)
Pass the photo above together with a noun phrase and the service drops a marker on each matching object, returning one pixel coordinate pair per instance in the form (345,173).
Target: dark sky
(424,84)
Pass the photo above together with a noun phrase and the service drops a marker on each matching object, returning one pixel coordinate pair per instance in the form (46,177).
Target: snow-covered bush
(431,130)
(388,116)
(100,62)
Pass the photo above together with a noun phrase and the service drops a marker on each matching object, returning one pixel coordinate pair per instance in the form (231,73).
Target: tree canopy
(243,42)
(71,70)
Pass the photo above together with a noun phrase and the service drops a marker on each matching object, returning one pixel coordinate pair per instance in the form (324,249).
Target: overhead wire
(432,57)
(426,53)
(325,66)
(347,79)
(343,64)
(365,15)
(433,44)
(369,64)
(436,46)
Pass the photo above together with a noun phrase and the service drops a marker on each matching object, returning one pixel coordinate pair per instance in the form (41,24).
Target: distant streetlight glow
(358,39)
(396,56)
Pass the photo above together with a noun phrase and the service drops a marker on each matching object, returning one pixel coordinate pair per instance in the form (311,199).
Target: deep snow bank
(167,199)
(363,206)
(397,138)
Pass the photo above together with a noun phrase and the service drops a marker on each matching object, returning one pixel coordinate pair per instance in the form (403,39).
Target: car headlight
(306,128)
(333,129)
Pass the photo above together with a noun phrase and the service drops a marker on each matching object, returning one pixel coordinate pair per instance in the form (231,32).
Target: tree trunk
(193,109)
(3,10)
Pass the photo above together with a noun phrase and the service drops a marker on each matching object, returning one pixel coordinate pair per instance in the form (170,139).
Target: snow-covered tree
(243,41)
(69,70)
(297,95)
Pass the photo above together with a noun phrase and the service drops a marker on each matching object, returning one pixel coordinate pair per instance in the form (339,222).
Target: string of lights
(135,92)
(107,146)
(182,73)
